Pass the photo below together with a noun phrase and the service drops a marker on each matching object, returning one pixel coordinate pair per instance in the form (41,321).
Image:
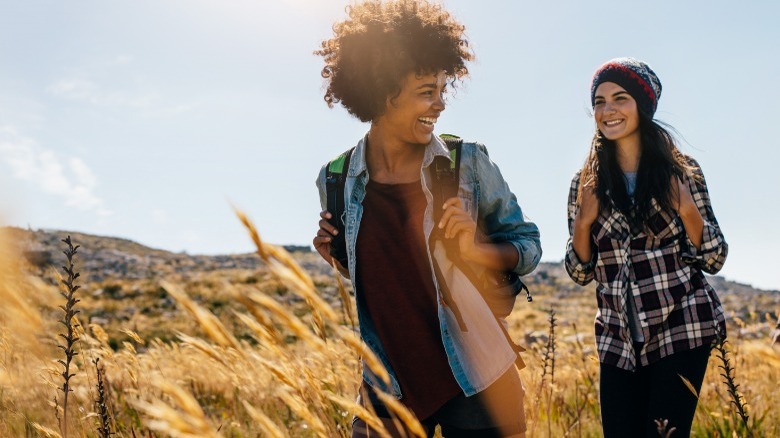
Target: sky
(148,119)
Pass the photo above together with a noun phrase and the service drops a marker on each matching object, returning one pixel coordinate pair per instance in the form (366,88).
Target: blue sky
(145,119)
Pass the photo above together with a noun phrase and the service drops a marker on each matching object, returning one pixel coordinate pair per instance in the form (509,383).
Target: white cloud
(123,59)
(70,179)
(87,91)
(76,89)
(83,90)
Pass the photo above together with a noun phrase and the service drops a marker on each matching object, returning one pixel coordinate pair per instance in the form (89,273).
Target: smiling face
(411,116)
(616,113)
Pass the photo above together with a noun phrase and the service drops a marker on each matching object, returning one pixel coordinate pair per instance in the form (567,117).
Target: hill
(106,257)
(121,280)
(112,257)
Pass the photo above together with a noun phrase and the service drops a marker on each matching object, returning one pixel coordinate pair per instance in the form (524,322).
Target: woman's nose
(439,103)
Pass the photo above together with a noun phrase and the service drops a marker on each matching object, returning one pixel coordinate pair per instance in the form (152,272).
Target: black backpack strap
(446,174)
(335,179)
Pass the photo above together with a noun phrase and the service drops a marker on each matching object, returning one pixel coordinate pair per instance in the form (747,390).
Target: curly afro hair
(380,43)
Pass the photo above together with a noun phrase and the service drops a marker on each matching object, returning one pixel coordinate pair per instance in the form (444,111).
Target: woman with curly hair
(641,224)
(446,350)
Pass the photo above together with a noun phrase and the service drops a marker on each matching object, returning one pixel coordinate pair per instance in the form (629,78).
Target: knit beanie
(636,77)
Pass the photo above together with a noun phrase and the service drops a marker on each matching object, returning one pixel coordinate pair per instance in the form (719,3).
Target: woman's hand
(583,221)
(323,239)
(457,222)
(589,208)
(681,195)
(686,208)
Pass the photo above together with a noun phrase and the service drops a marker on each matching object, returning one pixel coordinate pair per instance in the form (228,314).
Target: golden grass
(268,367)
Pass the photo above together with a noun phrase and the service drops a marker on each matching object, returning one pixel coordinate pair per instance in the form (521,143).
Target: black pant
(631,401)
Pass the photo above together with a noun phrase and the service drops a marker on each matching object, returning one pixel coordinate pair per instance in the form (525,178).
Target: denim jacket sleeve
(581,273)
(321,188)
(500,215)
(714,249)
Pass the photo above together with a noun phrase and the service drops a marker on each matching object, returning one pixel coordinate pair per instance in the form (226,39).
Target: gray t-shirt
(630,183)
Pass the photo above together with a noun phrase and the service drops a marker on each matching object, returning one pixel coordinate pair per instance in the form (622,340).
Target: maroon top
(395,282)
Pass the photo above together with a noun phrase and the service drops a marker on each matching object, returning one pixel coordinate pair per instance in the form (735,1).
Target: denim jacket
(478,351)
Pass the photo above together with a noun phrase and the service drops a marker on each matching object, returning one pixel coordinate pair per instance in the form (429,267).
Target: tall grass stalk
(104,425)
(548,368)
(70,337)
(550,356)
(729,378)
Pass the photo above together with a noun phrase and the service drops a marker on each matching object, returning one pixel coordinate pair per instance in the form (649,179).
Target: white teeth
(613,122)
(427,120)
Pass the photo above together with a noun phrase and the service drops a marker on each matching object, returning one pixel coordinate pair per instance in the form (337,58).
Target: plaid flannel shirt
(678,310)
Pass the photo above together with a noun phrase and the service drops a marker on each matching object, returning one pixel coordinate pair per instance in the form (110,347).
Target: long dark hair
(660,160)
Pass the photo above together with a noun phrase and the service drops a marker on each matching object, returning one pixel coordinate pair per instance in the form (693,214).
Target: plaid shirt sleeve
(581,273)
(714,249)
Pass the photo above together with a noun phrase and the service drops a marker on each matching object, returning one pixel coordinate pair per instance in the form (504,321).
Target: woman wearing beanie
(641,224)
(408,247)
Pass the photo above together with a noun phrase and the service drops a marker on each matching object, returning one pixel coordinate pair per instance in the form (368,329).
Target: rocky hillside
(111,257)
(115,258)
(121,284)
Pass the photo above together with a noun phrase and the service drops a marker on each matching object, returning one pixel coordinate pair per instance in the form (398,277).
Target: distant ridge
(105,256)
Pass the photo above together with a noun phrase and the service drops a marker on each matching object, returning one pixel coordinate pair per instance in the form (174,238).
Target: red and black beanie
(639,80)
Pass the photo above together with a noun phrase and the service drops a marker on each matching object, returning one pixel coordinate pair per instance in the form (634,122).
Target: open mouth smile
(613,123)
(428,121)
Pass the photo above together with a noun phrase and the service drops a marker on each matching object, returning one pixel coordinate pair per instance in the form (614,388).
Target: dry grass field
(265,346)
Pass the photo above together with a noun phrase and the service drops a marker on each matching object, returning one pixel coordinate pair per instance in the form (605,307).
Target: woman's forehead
(608,88)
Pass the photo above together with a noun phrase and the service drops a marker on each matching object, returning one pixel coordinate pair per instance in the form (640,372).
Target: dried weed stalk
(104,427)
(70,337)
(729,378)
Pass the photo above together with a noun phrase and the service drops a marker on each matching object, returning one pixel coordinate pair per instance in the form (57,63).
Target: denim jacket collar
(436,147)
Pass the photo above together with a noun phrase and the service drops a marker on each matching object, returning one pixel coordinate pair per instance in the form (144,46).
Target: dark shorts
(494,412)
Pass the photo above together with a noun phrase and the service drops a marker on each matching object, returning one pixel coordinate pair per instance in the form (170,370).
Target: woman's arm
(580,244)
(323,239)
(587,213)
(326,231)
(707,252)
(501,219)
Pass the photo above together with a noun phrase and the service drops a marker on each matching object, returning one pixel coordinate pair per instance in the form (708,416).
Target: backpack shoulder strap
(447,174)
(335,178)
(446,186)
